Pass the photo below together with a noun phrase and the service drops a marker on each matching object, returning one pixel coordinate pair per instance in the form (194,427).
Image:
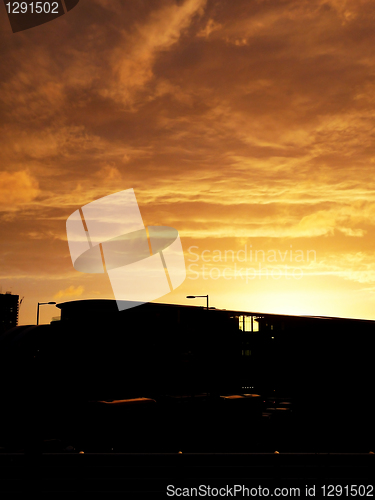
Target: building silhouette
(211,378)
(8,311)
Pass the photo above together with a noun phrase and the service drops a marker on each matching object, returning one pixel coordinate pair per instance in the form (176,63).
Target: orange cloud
(132,65)
(209,28)
(244,120)
(17,188)
(71,291)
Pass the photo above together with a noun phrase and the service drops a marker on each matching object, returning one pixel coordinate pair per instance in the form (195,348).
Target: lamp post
(195,296)
(42,304)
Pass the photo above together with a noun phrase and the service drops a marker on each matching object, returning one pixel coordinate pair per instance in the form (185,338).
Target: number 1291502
(32,7)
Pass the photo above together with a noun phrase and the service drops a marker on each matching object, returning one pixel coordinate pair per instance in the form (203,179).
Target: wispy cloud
(69,292)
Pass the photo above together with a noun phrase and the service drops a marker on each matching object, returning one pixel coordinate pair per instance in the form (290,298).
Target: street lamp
(195,296)
(43,304)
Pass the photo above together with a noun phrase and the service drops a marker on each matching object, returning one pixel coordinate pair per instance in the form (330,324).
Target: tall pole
(42,304)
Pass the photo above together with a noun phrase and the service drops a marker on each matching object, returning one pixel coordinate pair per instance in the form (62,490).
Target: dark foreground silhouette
(164,378)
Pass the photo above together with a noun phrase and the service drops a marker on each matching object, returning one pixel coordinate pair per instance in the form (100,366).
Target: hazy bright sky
(244,124)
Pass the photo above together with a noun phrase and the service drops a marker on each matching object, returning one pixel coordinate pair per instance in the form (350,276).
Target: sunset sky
(247,125)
